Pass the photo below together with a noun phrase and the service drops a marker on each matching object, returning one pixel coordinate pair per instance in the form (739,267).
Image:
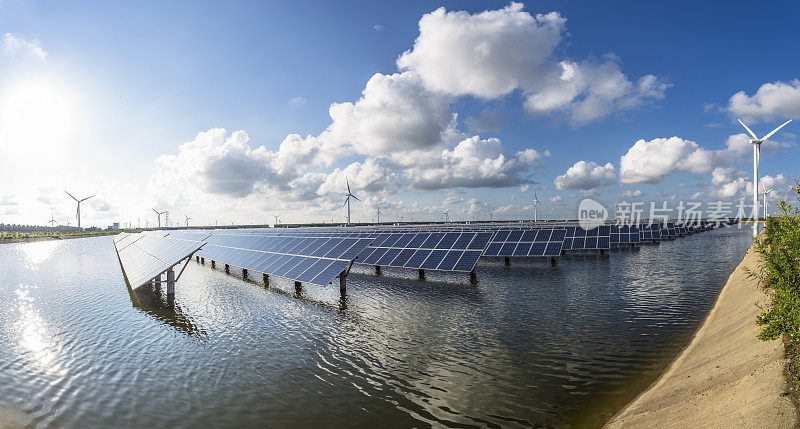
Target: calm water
(529,345)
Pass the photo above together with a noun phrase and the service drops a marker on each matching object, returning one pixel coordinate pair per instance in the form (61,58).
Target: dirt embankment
(726,377)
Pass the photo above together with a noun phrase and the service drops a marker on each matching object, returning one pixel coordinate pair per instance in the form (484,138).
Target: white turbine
(187,219)
(756,159)
(79,206)
(347,201)
(766,191)
(379,214)
(159,216)
(52,221)
(535,203)
(446,214)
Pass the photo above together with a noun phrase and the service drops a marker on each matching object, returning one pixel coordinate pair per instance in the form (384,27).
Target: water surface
(529,345)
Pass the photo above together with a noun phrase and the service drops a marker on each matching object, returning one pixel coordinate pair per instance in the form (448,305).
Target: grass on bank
(779,251)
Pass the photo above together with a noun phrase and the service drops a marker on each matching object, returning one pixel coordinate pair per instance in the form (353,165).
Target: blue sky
(93,94)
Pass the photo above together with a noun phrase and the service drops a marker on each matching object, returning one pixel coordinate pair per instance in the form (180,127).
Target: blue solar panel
(467,261)
(418,258)
(450,260)
(434,259)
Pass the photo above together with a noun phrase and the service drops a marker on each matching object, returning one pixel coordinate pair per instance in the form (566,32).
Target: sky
(235,112)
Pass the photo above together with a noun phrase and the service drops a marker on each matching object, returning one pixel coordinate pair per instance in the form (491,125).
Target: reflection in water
(38,252)
(152,301)
(34,334)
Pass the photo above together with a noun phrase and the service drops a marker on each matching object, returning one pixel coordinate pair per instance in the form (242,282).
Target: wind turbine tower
(766,191)
(52,221)
(535,203)
(187,219)
(159,216)
(756,159)
(446,213)
(79,206)
(379,214)
(277,219)
(347,201)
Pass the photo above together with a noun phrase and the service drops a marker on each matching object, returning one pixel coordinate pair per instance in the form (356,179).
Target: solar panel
(531,242)
(144,257)
(429,250)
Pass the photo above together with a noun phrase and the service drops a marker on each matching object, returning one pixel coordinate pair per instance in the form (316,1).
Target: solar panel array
(526,242)
(317,255)
(304,258)
(598,238)
(444,251)
(146,256)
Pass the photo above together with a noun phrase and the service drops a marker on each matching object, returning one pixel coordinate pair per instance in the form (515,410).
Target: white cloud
(493,53)
(473,163)
(370,176)
(298,101)
(772,101)
(14,46)
(590,90)
(776,184)
(651,161)
(395,113)
(556,199)
(525,188)
(631,194)
(8,200)
(586,175)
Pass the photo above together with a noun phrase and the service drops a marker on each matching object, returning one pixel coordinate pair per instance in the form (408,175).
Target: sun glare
(37,118)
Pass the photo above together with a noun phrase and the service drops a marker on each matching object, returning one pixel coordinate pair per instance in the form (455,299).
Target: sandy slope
(726,377)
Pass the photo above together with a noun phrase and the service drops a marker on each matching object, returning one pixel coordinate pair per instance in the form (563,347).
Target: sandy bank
(726,377)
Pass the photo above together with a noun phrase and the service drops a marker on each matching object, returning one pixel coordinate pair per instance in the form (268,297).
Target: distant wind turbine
(767,191)
(52,221)
(446,213)
(187,219)
(535,203)
(347,201)
(379,214)
(277,219)
(159,216)
(756,159)
(79,206)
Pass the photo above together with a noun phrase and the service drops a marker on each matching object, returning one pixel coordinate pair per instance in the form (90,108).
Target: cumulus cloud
(586,175)
(8,200)
(15,46)
(590,90)
(651,161)
(394,113)
(772,101)
(493,53)
(370,176)
(556,199)
(472,163)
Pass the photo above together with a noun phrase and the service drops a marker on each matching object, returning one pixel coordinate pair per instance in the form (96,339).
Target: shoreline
(49,238)
(725,376)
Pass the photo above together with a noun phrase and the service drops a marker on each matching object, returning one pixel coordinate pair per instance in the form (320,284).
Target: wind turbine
(767,191)
(52,221)
(277,218)
(347,201)
(756,159)
(379,214)
(446,213)
(535,203)
(159,216)
(79,206)
(187,219)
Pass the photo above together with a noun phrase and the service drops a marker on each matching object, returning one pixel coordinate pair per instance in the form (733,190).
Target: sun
(37,118)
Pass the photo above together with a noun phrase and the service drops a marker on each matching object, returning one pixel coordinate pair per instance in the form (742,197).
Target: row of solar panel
(433,240)
(306,269)
(524,249)
(320,247)
(436,259)
(529,235)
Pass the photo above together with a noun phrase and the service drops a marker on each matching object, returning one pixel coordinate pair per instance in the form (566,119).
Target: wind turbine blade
(345,201)
(775,130)
(355,197)
(71,196)
(87,198)
(748,129)
(348,185)
(157,212)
